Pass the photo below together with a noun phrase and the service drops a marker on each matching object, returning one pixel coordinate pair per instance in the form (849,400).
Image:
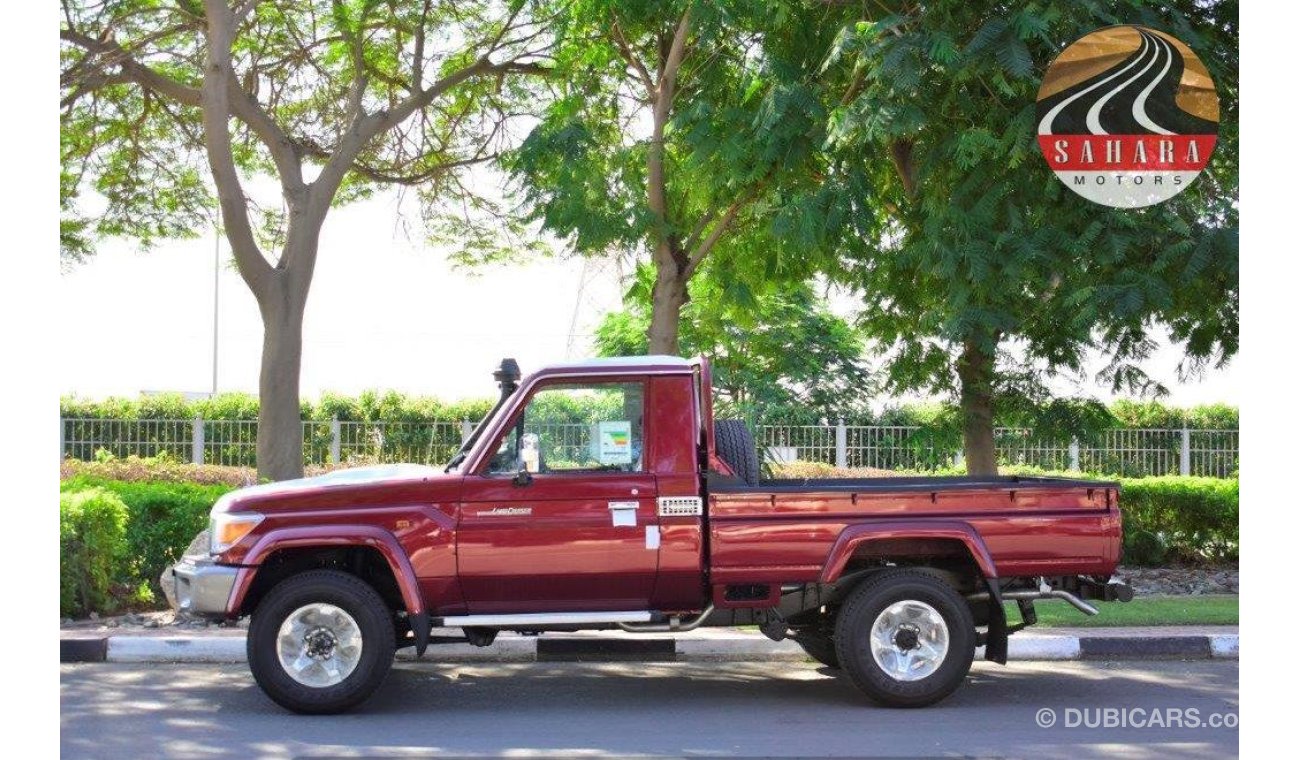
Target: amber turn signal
(227,529)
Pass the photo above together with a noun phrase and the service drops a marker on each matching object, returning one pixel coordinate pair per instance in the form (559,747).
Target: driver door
(564,518)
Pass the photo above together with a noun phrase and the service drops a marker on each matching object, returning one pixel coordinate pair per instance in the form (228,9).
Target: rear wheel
(905,638)
(321,642)
(820,647)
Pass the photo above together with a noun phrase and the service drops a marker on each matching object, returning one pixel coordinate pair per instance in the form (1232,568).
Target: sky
(385,311)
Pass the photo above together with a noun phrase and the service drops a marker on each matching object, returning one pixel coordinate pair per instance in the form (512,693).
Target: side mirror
(522,478)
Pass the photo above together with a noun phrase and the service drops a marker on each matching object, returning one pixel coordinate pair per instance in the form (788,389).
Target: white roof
(654,360)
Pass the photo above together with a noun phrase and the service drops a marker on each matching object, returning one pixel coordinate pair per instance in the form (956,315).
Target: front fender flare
(855,535)
(330,536)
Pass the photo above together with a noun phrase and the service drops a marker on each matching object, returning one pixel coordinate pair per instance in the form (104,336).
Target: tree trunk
(279,417)
(975,371)
(666,311)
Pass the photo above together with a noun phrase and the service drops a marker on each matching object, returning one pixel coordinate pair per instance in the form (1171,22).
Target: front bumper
(202,586)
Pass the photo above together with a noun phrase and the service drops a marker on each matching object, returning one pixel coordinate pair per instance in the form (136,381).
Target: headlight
(227,528)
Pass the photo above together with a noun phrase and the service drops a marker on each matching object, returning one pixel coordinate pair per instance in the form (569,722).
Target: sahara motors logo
(1127,116)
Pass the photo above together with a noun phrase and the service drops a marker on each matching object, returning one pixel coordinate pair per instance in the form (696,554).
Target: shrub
(1185,519)
(156,470)
(163,518)
(820,470)
(163,469)
(94,557)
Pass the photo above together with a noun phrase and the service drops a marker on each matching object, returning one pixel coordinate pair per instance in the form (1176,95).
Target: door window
(588,427)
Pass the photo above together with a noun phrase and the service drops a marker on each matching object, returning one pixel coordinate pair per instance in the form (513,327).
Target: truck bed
(783,530)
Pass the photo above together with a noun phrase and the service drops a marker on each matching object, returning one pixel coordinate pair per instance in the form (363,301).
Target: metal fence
(1129,452)
(234,442)
(1126,452)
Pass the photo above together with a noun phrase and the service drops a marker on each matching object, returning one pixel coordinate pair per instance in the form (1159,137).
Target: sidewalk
(180,644)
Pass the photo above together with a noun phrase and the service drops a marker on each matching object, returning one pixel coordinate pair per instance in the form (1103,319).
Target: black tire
(354,596)
(735,446)
(819,647)
(859,614)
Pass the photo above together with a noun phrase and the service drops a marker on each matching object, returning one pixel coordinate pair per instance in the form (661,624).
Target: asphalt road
(673,709)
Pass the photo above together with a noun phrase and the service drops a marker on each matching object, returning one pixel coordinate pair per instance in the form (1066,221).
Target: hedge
(1180,519)
(160,520)
(392,406)
(368,406)
(93,553)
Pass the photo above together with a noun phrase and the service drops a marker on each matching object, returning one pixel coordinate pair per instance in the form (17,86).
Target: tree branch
(656,182)
(673,61)
(417,59)
(410,179)
(372,125)
(705,220)
(241,104)
(132,69)
(900,152)
(216,129)
(632,59)
(697,256)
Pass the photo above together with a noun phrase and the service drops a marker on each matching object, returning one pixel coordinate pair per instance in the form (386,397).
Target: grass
(1144,610)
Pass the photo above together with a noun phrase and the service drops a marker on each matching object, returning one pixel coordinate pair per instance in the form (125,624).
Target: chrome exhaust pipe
(1078,603)
(674,624)
(1075,601)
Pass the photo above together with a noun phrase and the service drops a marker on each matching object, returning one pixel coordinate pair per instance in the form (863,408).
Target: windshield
(463,451)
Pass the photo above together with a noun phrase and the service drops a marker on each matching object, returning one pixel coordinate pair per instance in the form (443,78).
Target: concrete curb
(736,647)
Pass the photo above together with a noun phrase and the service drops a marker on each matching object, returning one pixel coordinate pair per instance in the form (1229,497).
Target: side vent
(748,593)
(680,506)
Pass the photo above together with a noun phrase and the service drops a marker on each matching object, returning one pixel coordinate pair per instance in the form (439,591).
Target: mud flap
(995,645)
(420,625)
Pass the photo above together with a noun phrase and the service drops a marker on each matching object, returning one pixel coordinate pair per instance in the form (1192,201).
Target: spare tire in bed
(736,448)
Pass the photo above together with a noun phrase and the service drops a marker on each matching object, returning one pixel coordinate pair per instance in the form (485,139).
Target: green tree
(689,131)
(165,103)
(775,353)
(991,274)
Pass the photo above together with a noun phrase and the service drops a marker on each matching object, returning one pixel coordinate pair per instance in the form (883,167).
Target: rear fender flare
(330,536)
(855,536)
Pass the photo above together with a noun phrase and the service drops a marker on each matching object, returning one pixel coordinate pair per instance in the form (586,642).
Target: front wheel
(321,642)
(905,638)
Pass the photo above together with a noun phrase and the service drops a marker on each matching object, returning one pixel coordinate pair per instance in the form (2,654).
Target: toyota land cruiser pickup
(603,495)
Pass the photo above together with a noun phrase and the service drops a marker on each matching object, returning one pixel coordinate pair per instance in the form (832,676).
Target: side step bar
(526,620)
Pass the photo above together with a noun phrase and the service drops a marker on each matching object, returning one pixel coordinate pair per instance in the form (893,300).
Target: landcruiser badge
(505,512)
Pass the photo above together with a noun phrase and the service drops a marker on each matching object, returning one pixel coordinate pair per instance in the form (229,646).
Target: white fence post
(63,442)
(466,430)
(196,456)
(336,442)
(1074,453)
(958,460)
(841,444)
(1185,456)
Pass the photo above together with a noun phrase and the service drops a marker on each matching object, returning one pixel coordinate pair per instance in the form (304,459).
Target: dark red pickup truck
(602,495)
